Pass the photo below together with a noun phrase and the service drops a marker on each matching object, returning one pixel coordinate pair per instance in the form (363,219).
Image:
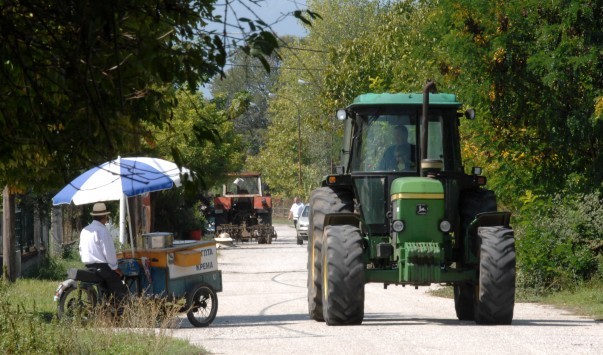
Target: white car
(302,225)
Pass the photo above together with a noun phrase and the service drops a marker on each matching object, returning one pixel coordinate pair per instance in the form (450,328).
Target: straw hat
(99,209)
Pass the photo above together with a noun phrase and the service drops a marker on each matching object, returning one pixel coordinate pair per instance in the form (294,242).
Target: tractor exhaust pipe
(429,87)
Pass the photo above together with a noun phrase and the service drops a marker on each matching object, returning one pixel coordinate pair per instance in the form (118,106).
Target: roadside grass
(521,295)
(28,322)
(585,300)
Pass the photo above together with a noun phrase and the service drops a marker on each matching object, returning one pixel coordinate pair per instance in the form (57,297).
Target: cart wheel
(202,305)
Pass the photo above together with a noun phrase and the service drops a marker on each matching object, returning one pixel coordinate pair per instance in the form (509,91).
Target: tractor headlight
(445,226)
(398,226)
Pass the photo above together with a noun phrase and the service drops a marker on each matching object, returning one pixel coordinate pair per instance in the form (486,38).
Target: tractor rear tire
(496,290)
(464,302)
(343,275)
(323,200)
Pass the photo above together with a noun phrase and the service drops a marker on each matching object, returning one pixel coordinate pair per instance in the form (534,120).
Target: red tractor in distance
(244,210)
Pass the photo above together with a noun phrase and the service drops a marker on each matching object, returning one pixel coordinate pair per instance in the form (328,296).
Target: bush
(28,325)
(53,268)
(560,247)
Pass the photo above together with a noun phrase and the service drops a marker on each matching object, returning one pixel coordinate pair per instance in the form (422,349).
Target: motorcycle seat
(84,275)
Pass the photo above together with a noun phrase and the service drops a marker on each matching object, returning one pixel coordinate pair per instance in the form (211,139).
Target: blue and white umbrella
(123,176)
(117,179)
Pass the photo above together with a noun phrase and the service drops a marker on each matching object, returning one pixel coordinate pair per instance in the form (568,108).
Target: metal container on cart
(186,269)
(157,240)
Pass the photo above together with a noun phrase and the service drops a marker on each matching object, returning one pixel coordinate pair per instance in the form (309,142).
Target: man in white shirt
(295,210)
(98,252)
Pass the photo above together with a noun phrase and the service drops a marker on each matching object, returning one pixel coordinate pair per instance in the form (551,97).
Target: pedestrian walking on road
(295,210)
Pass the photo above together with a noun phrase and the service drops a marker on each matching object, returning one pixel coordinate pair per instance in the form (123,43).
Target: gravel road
(263,310)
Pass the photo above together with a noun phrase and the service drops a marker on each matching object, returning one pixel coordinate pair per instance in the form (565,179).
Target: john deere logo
(421,209)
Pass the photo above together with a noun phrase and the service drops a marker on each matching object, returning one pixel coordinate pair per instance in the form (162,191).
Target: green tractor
(401,210)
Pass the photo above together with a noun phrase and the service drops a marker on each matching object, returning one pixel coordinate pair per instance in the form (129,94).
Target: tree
(302,80)
(98,70)
(247,76)
(531,70)
(534,69)
(200,136)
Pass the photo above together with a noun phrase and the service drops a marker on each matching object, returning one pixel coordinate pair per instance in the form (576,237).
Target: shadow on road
(258,320)
(390,319)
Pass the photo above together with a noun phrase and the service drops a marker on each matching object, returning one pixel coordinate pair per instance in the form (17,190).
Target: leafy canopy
(79,78)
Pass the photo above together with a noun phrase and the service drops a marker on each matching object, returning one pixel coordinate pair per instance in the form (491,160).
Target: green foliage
(586,300)
(247,78)
(308,100)
(49,269)
(200,136)
(534,70)
(558,243)
(53,268)
(24,332)
(531,69)
(357,61)
(28,326)
(79,78)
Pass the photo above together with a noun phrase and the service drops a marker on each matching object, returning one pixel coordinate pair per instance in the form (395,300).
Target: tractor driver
(400,155)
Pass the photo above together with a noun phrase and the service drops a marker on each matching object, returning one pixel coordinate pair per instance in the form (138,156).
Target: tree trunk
(8,235)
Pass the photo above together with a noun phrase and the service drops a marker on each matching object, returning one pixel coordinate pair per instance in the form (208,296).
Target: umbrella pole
(122,219)
(130,225)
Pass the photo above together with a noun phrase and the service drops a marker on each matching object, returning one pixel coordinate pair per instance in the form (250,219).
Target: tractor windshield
(389,142)
(243,185)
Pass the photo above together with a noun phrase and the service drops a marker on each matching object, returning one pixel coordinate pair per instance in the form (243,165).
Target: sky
(272,12)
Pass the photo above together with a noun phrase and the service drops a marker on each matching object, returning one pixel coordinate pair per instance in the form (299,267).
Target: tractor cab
(383,133)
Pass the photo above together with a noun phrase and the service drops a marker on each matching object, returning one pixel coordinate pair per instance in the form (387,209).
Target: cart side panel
(197,261)
(159,278)
(157,285)
(178,287)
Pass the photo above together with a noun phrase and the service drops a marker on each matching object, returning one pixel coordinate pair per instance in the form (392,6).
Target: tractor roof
(405,99)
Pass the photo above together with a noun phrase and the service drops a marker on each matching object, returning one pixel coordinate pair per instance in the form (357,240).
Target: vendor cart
(185,269)
(161,267)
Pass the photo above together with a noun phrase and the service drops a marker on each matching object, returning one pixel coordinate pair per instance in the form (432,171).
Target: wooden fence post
(8,235)
(56,232)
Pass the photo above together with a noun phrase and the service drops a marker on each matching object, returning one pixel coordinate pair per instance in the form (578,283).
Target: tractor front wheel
(343,275)
(495,298)
(323,201)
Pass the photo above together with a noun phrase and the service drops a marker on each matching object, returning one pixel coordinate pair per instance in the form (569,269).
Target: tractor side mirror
(342,114)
